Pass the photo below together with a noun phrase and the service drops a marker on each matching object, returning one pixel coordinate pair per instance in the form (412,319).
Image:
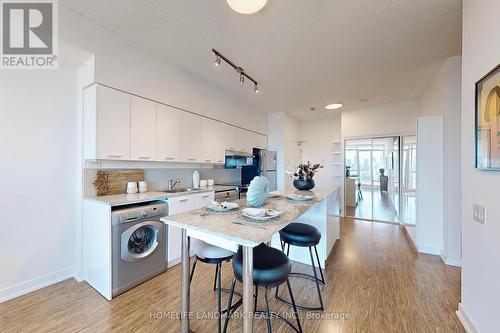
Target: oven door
(230,195)
(140,241)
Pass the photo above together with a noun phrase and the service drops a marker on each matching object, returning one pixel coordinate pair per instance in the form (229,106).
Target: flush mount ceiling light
(219,57)
(334,106)
(246,6)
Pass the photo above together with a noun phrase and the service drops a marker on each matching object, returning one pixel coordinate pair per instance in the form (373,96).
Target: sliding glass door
(372,189)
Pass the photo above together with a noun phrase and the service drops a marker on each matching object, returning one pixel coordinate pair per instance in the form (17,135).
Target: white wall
(317,138)
(430,184)
(37,182)
(284,135)
(388,119)
(480,243)
(443,96)
(122,64)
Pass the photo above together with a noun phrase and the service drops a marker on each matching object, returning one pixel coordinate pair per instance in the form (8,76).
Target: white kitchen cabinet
(260,141)
(212,141)
(142,129)
(203,199)
(190,137)
(168,133)
(178,205)
(106,123)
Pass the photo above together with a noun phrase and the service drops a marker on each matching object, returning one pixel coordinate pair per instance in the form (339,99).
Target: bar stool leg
(319,265)
(268,314)
(219,298)
(316,280)
(296,313)
(216,273)
(192,270)
(230,301)
(256,298)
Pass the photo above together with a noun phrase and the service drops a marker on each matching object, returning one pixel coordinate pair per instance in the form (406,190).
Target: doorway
(374,188)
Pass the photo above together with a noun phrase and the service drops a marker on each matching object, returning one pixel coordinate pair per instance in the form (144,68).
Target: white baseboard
(465,320)
(34,284)
(429,250)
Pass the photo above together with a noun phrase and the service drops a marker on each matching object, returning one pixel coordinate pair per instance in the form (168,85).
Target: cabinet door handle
(232,148)
(144,157)
(191,159)
(168,158)
(220,161)
(208,160)
(115,156)
(205,196)
(183,200)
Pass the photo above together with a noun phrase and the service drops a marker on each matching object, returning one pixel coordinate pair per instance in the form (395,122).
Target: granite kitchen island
(230,230)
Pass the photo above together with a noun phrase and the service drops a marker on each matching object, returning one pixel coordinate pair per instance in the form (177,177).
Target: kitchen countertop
(234,227)
(126,199)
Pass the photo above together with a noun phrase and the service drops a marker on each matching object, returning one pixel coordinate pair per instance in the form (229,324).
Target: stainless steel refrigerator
(264,164)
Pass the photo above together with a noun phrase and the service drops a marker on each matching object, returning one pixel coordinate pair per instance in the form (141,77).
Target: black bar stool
(271,268)
(214,255)
(303,235)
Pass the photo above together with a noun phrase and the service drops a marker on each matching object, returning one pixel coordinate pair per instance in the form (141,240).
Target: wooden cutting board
(118,179)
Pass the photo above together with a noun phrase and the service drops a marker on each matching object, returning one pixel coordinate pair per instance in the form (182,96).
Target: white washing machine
(139,244)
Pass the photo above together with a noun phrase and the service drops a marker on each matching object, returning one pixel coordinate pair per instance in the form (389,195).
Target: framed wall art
(487,124)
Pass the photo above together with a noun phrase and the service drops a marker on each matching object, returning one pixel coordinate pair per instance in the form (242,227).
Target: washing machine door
(140,241)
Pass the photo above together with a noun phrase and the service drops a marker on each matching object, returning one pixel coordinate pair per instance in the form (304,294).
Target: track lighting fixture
(218,59)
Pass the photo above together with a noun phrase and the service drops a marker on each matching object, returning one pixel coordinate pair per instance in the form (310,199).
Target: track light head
(256,89)
(242,78)
(217,61)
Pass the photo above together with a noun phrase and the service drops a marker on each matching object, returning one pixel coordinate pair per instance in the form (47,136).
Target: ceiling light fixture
(219,57)
(334,106)
(246,6)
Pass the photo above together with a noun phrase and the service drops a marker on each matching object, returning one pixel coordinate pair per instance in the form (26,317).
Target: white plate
(274,194)
(267,214)
(223,206)
(298,197)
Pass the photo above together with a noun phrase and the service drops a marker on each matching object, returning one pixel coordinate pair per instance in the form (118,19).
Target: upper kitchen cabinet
(106,123)
(190,137)
(212,141)
(168,134)
(143,129)
(259,141)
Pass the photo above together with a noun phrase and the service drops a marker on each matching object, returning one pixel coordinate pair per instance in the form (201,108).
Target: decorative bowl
(304,184)
(258,191)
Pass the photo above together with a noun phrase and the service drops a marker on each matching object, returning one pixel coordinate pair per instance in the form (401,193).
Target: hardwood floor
(375,283)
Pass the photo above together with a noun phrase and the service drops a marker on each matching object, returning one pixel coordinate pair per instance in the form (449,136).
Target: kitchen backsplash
(157,179)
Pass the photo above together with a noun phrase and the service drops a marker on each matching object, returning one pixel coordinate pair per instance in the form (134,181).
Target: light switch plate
(479,214)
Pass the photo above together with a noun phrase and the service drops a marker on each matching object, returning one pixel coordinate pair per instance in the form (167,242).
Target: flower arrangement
(307,170)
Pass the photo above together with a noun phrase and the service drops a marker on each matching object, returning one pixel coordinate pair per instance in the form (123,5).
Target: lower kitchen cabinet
(178,205)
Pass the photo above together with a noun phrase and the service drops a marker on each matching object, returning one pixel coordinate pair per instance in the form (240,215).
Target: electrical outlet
(479,214)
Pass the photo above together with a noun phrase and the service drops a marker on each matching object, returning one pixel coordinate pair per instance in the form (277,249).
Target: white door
(168,134)
(113,124)
(190,137)
(143,129)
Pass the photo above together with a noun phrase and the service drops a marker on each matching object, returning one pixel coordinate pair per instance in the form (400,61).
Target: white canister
(203,183)
(196,179)
(210,182)
(143,187)
(132,187)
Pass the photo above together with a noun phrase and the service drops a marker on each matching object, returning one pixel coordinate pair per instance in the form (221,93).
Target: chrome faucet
(172,183)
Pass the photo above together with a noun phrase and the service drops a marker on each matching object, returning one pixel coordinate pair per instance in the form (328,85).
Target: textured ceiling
(303,53)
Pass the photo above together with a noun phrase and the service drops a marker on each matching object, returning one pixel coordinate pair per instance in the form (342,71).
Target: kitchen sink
(179,190)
